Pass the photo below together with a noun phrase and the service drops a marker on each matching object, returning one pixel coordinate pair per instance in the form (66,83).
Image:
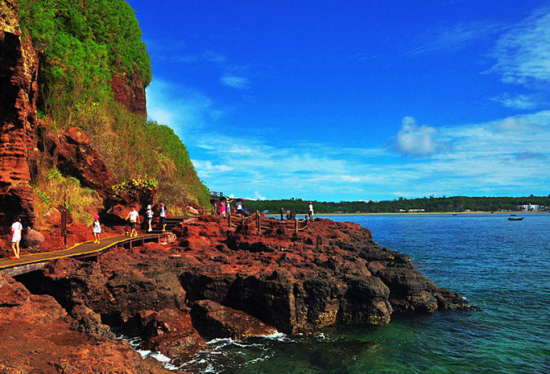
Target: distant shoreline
(428,213)
(412,213)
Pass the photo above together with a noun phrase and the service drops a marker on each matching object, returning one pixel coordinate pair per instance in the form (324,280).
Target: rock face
(75,157)
(18,79)
(130,92)
(229,282)
(39,337)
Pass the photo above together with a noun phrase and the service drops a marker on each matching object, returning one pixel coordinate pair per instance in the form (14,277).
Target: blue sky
(355,100)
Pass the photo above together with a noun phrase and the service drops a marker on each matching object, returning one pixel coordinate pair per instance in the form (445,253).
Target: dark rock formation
(217,321)
(171,331)
(130,92)
(18,79)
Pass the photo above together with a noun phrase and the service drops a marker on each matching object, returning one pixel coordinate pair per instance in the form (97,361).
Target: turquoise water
(499,265)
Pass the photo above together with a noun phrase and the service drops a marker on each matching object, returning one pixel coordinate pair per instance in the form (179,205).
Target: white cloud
(208,166)
(519,124)
(258,196)
(351,179)
(453,38)
(515,102)
(234,81)
(523,53)
(415,141)
(484,159)
(180,108)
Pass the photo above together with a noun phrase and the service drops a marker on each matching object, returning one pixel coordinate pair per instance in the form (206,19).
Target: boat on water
(515,218)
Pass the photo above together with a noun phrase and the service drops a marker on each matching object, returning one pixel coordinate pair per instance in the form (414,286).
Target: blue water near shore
(499,265)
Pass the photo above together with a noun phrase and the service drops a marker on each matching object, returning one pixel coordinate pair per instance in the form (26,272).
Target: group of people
(225,207)
(133,218)
(292,215)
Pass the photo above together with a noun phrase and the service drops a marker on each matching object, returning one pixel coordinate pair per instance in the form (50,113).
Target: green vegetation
(137,185)
(85,37)
(82,45)
(53,190)
(431,204)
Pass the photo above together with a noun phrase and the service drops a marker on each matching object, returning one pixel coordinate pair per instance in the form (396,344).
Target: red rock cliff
(130,92)
(18,79)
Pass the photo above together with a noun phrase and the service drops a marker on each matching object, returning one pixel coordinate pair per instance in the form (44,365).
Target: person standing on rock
(228,206)
(162,215)
(96,229)
(310,211)
(222,209)
(149,213)
(133,216)
(16,230)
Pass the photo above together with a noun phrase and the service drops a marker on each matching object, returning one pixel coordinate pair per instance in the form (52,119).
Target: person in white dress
(96,229)
(16,230)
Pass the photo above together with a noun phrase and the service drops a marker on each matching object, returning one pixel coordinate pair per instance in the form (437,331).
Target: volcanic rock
(296,284)
(38,337)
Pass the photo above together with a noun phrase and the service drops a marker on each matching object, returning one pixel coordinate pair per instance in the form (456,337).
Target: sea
(501,266)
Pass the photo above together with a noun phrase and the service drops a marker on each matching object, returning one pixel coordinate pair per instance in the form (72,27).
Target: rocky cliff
(216,281)
(18,80)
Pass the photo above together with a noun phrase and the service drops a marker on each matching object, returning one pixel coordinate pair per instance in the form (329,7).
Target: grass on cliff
(53,190)
(133,147)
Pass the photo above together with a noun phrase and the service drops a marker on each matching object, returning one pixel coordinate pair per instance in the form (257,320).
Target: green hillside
(81,45)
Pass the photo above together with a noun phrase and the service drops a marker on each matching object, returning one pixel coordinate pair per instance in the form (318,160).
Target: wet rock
(171,332)
(217,321)
(116,292)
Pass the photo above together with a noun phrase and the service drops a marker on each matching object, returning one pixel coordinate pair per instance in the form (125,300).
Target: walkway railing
(266,223)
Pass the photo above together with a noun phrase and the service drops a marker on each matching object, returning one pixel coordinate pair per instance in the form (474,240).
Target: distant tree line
(428,204)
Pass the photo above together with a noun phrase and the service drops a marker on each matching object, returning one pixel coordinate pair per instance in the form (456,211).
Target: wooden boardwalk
(35,261)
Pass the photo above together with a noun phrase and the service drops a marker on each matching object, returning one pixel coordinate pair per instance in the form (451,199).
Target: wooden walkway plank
(80,249)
